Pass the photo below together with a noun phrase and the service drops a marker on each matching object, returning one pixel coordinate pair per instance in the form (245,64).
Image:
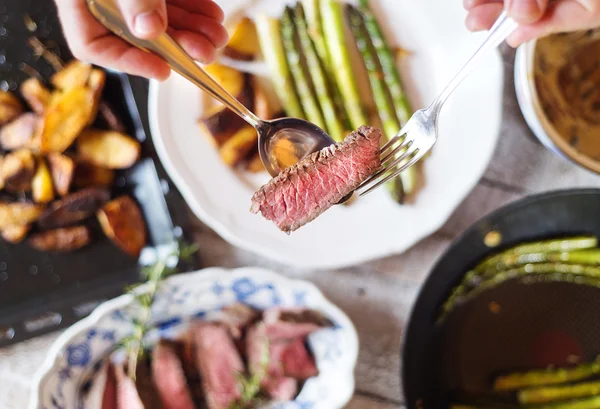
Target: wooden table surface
(377,296)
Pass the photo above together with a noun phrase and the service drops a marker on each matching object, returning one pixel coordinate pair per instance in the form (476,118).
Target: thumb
(147,19)
(526,11)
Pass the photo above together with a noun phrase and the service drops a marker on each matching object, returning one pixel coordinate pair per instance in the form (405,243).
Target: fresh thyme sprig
(250,386)
(152,275)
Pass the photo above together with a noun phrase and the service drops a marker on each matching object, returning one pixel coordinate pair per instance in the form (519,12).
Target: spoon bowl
(285,141)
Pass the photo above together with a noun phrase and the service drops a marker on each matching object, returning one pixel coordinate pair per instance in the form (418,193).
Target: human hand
(197,25)
(536,18)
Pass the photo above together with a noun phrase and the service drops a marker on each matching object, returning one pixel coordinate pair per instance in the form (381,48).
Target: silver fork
(420,133)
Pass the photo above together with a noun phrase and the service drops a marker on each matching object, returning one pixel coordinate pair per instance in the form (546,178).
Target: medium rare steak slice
(186,351)
(145,384)
(304,191)
(292,323)
(281,389)
(109,397)
(220,364)
(236,317)
(297,362)
(169,378)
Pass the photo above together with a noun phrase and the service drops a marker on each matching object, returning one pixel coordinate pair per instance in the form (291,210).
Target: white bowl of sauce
(557,79)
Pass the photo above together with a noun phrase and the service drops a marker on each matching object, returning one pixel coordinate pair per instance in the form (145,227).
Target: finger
(563,16)
(483,17)
(147,19)
(196,45)
(79,25)
(207,8)
(214,31)
(112,52)
(526,11)
(469,4)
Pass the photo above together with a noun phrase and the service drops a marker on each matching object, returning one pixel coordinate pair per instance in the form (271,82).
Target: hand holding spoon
(303,136)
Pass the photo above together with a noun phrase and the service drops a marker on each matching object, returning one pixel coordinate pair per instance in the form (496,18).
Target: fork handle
(502,28)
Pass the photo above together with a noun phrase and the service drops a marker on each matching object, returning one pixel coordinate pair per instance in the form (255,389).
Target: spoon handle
(108,13)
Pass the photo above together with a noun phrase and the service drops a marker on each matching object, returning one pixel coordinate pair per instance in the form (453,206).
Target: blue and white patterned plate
(70,368)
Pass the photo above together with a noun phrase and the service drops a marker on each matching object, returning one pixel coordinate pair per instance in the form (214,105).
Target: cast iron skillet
(537,325)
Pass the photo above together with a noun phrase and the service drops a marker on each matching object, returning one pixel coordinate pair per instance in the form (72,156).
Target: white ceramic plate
(72,375)
(374,226)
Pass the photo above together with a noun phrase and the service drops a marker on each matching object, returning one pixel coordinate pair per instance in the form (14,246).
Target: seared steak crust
(304,191)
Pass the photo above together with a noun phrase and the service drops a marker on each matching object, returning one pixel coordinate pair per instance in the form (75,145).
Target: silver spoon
(304,137)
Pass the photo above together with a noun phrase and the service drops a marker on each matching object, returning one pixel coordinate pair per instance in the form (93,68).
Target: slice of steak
(127,394)
(186,351)
(109,397)
(292,323)
(219,363)
(297,362)
(258,351)
(281,389)
(169,378)
(304,191)
(237,317)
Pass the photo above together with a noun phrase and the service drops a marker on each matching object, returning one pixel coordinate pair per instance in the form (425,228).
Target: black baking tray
(42,292)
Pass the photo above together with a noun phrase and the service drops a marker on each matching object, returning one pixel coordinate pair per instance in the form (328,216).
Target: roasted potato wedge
(36,94)
(75,74)
(62,170)
(63,240)
(108,149)
(243,43)
(87,174)
(42,188)
(122,222)
(19,133)
(17,170)
(255,165)
(237,148)
(10,107)
(19,214)
(96,83)
(219,122)
(66,116)
(74,208)
(15,234)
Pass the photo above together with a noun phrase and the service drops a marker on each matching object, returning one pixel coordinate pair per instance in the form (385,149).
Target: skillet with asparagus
(318,53)
(574,260)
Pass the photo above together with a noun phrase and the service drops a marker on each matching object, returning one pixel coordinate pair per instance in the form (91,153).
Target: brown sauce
(567,78)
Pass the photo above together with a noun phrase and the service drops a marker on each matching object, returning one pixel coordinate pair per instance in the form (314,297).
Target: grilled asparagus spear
(333,27)
(560,272)
(312,10)
(334,126)
(391,77)
(269,33)
(544,377)
(589,403)
(558,393)
(304,86)
(547,246)
(385,108)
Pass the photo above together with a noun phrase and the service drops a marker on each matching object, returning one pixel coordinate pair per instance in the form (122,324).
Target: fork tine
(387,168)
(404,145)
(401,169)
(391,142)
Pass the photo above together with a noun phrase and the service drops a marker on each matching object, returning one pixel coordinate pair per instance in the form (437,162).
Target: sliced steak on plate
(220,364)
(304,191)
(169,378)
